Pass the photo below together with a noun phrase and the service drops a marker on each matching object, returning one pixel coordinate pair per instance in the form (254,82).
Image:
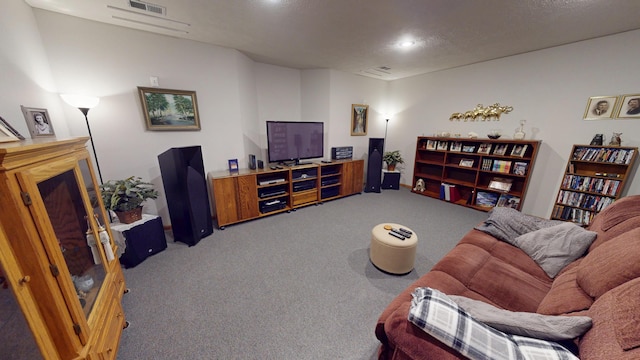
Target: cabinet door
(248,197)
(63,216)
(352,177)
(225,200)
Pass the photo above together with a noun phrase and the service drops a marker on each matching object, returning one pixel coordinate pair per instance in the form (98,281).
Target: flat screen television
(294,140)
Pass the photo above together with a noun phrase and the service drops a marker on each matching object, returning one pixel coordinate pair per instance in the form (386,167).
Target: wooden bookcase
(250,194)
(481,173)
(595,177)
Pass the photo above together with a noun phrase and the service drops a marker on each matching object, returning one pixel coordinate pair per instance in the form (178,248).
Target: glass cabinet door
(75,251)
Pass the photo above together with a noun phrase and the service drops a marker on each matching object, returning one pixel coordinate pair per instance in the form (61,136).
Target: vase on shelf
(520,134)
(130,216)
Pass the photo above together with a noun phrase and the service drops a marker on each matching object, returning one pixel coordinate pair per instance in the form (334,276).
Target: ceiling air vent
(152,8)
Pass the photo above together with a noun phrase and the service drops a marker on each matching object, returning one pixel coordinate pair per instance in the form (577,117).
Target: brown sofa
(603,285)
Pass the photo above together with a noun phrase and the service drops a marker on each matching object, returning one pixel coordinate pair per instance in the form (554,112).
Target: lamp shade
(80,101)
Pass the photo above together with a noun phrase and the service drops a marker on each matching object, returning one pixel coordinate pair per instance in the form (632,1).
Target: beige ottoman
(391,254)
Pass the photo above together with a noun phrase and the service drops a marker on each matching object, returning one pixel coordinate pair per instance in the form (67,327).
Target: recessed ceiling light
(407,43)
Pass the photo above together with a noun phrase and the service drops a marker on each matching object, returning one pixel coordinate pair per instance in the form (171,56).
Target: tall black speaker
(185,187)
(374,166)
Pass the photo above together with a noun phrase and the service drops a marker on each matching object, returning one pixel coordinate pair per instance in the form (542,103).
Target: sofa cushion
(616,219)
(545,327)
(555,247)
(565,295)
(440,317)
(616,325)
(610,264)
(506,224)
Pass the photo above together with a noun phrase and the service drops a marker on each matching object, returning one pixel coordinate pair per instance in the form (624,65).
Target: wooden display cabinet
(478,173)
(250,194)
(47,197)
(594,178)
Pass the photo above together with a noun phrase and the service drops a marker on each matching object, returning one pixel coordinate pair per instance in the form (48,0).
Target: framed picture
(6,135)
(600,107)
(431,144)
(486,199)
(519,150)
(166,109)
(484,148)
(520,168)
(38,122)
(10,128)
(442,145)
(466,162)
(233,165)
(456,146)
(500,149)
(629,107)
(468,148)
(507,200)
(359,119)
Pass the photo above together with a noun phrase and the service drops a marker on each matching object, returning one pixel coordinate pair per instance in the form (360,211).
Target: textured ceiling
(362,36)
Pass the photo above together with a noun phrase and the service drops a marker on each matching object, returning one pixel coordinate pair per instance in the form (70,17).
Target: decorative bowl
(494,136)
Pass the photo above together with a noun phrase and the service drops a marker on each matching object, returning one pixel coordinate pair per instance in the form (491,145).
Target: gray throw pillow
(506,224)
(545,327)
(555,247)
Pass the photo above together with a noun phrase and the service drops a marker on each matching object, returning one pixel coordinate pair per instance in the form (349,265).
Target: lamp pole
(385,135)
(85,111)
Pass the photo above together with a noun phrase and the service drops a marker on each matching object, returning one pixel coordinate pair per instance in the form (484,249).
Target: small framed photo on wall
(629,107)
(38,122)
(359,119)
(600,107)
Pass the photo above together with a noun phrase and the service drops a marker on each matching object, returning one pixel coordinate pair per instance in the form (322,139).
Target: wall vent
(152,8)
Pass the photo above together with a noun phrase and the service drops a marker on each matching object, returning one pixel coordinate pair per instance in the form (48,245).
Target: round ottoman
(390,254)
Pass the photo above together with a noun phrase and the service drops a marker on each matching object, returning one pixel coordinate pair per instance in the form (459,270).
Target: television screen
(294,140)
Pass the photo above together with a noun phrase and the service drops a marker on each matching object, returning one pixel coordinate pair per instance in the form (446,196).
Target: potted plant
(392,158)
(125,197)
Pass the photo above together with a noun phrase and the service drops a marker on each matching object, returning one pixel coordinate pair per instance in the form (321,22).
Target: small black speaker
(185,188)
(252,162)
(374,165)
(260,164)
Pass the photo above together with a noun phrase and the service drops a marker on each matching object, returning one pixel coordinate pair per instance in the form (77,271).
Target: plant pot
(391,167)
(127,217)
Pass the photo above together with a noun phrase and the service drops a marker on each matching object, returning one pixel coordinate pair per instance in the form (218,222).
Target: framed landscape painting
(166,109)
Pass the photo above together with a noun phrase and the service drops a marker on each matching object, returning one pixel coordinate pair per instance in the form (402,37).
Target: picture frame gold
(169,109)
(359,119)
(629,107)
(601,107)
(38,122)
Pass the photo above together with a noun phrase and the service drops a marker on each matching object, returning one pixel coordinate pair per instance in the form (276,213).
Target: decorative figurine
(419,186)
(520,134)
(615,139)
(598,139)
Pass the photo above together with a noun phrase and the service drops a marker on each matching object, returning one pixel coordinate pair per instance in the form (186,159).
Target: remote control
(273,167)
(396,235)
(406,231)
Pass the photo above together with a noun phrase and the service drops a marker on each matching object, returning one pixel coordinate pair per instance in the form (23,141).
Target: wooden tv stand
(251,194)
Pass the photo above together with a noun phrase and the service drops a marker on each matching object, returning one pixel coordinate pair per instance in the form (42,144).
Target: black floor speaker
(185,187)
(374,166)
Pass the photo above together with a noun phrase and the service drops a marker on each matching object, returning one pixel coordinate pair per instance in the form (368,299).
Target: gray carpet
(296,285)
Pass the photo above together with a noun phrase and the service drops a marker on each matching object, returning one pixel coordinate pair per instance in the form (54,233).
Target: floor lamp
(84,103)
(385,135)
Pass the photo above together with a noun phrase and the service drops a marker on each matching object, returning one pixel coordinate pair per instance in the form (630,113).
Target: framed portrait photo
(233,165)
(600,107)
(38,122)
(359,119)
(166,109)
(629,107)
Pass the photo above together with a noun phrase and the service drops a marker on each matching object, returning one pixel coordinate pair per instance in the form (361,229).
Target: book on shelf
(520,168)
(486,164)
(609,155)
(501,166)
(506,200)
(486,199)
(443,145)
(500,184)
(468,148)
(519,150)
(456,146)
(431,144)
(466,162)
(449,192)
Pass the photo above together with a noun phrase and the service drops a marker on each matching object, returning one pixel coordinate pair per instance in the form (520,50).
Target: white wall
(548,88)
(43,54)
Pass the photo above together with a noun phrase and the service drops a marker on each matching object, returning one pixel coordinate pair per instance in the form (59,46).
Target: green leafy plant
(393,157)
(127,194)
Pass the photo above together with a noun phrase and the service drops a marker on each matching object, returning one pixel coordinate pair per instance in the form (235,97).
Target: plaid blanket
(440,317)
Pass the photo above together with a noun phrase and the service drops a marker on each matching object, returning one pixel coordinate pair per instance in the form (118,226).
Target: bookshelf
(477,173)
(594,178)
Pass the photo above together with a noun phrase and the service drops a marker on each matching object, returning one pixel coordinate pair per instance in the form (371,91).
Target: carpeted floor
(296,285)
